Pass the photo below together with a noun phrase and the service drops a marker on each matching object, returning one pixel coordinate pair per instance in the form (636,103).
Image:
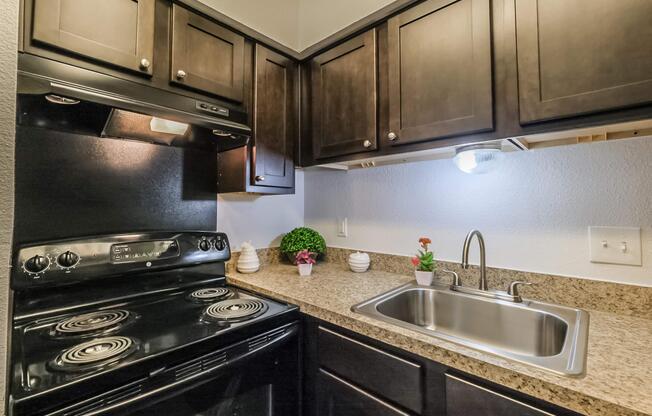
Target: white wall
(533,210)
(261,219)
(8,48)
(297,24)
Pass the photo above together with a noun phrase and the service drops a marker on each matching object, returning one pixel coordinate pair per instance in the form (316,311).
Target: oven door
(259,376)
(266,383)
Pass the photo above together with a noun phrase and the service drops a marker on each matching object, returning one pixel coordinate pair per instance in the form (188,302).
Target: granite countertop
(619,362)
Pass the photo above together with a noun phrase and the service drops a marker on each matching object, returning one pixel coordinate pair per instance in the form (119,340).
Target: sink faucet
(465,256)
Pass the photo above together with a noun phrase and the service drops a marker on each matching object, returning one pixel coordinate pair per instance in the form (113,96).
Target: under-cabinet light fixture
(478,158)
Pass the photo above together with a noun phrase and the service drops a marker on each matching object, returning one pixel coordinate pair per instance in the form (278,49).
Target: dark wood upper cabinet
(118,32)
(344,98)
(582,56)
(275,115)
(206,56)
(440,78)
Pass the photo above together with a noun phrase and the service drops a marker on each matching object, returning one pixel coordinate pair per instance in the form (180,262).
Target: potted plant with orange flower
(424,263)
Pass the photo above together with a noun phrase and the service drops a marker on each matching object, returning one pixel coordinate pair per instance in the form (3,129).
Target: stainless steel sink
(549,336)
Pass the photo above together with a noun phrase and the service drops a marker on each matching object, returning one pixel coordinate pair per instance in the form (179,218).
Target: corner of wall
(8,57)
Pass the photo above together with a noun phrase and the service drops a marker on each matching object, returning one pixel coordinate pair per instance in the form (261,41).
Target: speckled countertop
(618,379)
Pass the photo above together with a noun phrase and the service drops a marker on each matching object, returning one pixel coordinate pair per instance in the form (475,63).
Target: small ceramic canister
(359,262)
(248,261)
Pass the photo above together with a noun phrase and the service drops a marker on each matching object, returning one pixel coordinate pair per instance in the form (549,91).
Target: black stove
(122,324)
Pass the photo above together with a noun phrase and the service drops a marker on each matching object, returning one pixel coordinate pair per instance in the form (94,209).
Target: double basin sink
(548,336)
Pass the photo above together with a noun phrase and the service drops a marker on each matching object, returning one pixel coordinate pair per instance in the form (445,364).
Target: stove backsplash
(70,185)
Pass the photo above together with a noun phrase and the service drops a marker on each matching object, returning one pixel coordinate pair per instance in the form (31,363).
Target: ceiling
(297,24)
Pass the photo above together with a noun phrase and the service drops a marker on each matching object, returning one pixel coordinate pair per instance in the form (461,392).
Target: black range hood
(63,97)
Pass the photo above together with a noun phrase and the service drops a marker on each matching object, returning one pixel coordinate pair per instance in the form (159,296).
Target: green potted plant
(424,263)
(302,238)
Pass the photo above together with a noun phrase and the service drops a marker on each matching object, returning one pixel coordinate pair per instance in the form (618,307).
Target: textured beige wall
(534,209)
(8,48)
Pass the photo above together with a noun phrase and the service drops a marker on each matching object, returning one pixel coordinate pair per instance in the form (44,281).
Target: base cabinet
(337,397)
(346,374)
(465,398)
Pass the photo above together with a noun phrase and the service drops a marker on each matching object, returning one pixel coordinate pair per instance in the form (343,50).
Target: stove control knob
(36,264)
(67,259)
(220,244)
(204,245)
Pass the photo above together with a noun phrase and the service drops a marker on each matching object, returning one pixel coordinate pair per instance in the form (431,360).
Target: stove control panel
(66,261)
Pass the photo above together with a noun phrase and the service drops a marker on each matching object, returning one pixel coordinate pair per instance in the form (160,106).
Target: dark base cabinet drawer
(464,398)
(386,375)
(337,397)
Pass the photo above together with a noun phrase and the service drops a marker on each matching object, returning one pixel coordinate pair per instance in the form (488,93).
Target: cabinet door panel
(464,398)
(372,369)
(119,32)
(275,113)
(440,80)
(336,397)
(582,56)
(206,56)
(344,98)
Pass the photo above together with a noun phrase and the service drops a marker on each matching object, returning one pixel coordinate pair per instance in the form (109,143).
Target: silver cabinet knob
(366,143)
(144,63)
(392,136)
(181,74)
(260,178)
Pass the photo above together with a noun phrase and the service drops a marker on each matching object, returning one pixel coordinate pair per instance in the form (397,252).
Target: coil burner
(94,354)
(210,294)
(234,310)
(92,324)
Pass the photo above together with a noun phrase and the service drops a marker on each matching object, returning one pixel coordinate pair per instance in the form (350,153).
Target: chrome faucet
(465,257)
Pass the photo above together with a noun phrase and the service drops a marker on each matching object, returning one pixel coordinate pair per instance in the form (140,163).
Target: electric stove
(119,324)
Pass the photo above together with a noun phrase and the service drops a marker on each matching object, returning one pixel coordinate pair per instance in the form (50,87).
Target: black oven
(264,383)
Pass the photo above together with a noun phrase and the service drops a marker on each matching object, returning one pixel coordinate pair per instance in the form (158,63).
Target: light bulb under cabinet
(478,158)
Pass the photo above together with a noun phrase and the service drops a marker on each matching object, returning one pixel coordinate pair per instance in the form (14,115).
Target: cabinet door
(465,398)
(582,56)
(119,32)
(206,56)
(275,113)
(337,397)
(344,98)
(440,81)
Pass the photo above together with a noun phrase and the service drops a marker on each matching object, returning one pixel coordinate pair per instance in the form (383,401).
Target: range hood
(63,97)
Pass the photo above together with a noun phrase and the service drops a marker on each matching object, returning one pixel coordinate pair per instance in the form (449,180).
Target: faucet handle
(456,278)
(513,287)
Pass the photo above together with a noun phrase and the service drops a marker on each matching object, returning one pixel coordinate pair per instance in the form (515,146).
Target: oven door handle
(190,382)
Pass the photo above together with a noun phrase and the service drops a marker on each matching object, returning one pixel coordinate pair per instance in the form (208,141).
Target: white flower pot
(424,278)
(304,269)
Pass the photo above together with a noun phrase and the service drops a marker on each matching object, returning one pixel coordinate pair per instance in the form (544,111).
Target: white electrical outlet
(615,245)
(342,227)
